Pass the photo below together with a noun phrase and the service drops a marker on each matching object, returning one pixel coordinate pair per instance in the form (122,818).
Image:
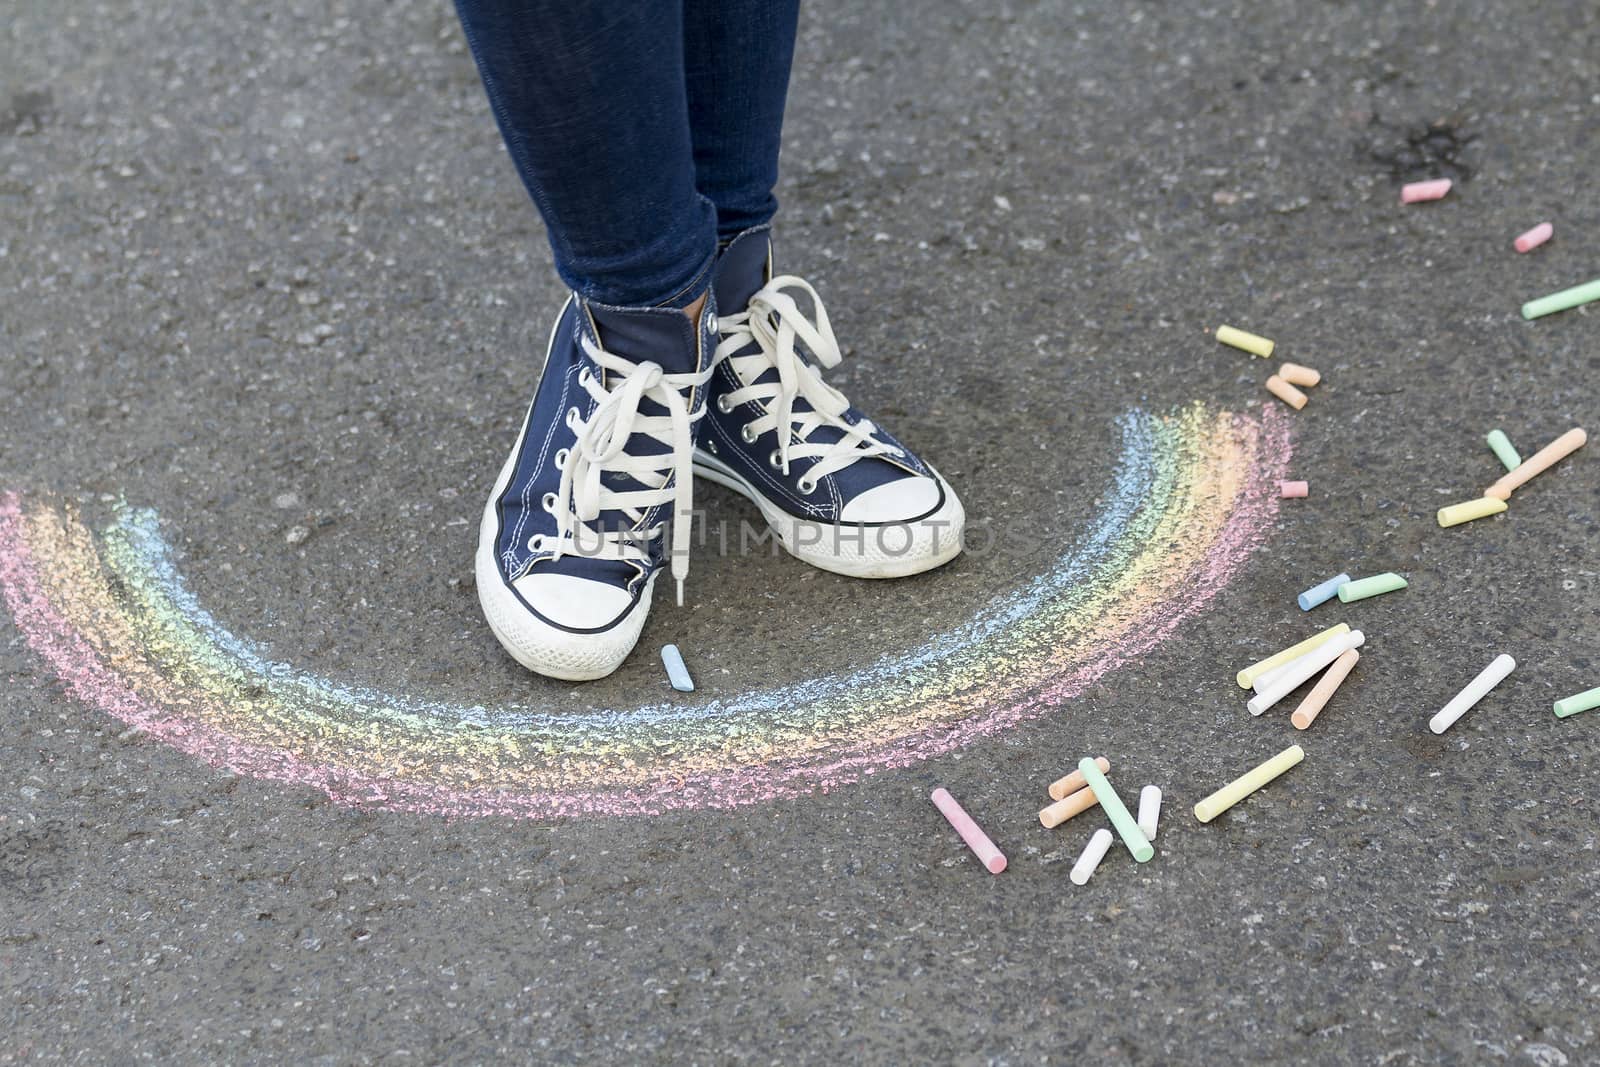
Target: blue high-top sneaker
(575,531)
(838,491)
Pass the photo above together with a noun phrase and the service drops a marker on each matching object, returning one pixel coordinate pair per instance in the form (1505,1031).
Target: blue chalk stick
(1319,593)
(679,674)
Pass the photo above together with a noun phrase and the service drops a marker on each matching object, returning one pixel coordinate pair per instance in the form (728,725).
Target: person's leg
(589,95)
(590,99)
(838,489)
(737,55)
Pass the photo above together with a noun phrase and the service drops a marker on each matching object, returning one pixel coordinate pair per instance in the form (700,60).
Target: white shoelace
(602,446)
(774,321)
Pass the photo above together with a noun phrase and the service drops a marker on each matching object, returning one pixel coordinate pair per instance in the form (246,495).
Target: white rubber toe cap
(571,601)
(896,501)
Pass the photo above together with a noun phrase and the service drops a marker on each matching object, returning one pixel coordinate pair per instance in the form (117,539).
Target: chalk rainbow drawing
(1191,497)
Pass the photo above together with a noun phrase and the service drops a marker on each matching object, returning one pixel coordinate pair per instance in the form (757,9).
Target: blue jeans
(644,130)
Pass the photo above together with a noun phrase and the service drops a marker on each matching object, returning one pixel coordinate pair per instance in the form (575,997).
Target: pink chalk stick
(1293,489)
(1534,237)
(975,838)
(1417,191)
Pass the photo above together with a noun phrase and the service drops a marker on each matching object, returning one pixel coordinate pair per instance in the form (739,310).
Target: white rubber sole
(537,645)
(893,550)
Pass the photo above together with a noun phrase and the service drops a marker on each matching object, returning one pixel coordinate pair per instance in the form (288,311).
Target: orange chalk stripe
(1062,810)
(1074,781)
(1317,699)
(1286,392)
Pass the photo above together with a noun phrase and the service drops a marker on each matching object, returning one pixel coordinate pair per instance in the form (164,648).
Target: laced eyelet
(711,324)
(549,503)
(723,405)
(584,377)
(561,458)
(806,486)
(572,415)
(748,435)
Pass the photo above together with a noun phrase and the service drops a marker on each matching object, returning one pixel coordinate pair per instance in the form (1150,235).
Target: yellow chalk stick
(1295,374)
(1248,783)
(1247,677)
(1483,507)
(1259,346)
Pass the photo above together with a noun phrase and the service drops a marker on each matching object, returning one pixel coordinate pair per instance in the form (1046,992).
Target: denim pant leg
(590,98)
(737,55)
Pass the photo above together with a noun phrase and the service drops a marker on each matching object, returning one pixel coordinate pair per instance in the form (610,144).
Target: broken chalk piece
(1249,342)
(1578,702)
(1321,593)
(1483,507)
(1534,237)
(1292,490)
(1286,392)
(1565,299)
(1295,374)
(1416,192)
(1053,815)
(1503,449)
(1116,811)
(1373,586)
(1487,679)
(1073,782)
(1247,677)
(1093,853)
(1248,783)
(1291,678)
(1538,463)
(677,673)
(1149,810)
(975,838)
(1323,691)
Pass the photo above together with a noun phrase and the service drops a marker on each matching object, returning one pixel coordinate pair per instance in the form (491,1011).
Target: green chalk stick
(1116,810)
(1365,587)
(1572,705)
(1567,298)
(1503,450)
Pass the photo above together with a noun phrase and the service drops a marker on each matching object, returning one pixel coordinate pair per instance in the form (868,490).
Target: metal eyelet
(806,486)
(773,461)
(549,503)
(723,405)
(562,454)
(572,414)
(536,543)
(584,377)
(711,324)
(748,434)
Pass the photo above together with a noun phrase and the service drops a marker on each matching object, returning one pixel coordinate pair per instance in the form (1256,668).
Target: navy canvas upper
(741,270)
(661,335)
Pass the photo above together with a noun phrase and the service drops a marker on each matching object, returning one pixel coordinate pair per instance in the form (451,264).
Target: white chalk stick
(1487,679)
(1093,853)
(1149,810)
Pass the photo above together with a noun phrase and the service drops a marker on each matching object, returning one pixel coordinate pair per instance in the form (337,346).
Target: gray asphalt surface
(254,250)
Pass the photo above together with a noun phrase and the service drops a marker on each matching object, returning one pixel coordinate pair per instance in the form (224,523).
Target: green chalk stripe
(1571,705)
(1503,449)
(1567,298)
(1116,810)
(1365,587)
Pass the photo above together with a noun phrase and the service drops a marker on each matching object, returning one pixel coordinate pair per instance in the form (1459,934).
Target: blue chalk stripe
(678,673)
(1317,594)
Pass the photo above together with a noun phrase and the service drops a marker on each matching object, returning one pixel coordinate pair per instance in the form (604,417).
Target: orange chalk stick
(1062,810)
(1538,463)
(1295,374)
(1074,781)
(1286,392)
(1318,698)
